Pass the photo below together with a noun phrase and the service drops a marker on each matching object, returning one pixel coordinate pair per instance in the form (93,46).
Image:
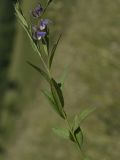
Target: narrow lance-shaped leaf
(83,115)
(62,132)
(79,136)
(50,99)
(45,49)
(63,76)
(19,14)
(43,74)
(76,123)
(49,1)
(57,95)
(53,51)
(58,92)
(77,131)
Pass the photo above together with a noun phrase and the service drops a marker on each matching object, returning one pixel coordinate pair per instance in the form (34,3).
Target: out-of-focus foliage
(7,32)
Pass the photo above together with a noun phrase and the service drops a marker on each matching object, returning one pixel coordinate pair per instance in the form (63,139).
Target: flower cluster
(39,31)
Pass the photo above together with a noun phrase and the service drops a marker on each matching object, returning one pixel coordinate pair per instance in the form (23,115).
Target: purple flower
(37,33)
(37,11)
(44,23)
(40,35)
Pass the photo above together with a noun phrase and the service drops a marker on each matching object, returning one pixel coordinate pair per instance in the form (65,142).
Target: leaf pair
(66,134)
(55,97)
(78,135)
(74,135)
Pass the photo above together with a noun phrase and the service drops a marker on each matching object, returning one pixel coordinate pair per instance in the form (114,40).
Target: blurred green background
(90,45)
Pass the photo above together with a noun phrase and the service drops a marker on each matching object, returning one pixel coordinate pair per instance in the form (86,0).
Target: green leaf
(83,115)
(77,131)
(35,48)
(19,14)
(57,95)
(71,137)
(63,76)
(45,49)
(62,132)
(43,74)
(50,99)
(49,1)
(79,136)
(53,51)
(76,123)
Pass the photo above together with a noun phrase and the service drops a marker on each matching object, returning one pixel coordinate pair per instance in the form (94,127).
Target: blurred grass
(90,44)
(6,36)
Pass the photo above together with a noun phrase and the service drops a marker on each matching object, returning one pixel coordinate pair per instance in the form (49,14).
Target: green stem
(70,128)
(65,115)
(44,64)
